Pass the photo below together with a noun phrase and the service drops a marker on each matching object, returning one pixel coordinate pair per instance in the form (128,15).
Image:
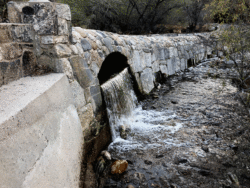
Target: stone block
(46,27)
(137,63)
(166,53)
(164,69)
(160,54)
(155,66)
(46,61)
(96,98)
(54,39)
(81,31)
(86,46)
(9,51)
(78,95)
(63,11)
(11,71)
(108,43)
(153,58)
(79,48)
(63,27)
(22,33)
(147,80)
(76,37)
(63,66)
(94,68)
(1,78)
(183,64)
(74,49)
(173,52)
(61,50)
(14,15)
(148,60)
(86,116)
(82,71)
(186,54)
(177,64)
(171,66)
(5,33)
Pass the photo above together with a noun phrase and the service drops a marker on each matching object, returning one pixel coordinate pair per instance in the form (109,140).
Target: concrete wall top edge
(27,99)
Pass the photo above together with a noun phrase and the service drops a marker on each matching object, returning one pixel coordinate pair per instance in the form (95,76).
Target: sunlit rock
(119,166)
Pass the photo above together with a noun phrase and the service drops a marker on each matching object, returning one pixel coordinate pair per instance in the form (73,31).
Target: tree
(193,9)
(126,16)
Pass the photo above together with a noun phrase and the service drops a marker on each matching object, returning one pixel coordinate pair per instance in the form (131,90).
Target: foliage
(234,39)
(194,11)
(131,16)
(126,16)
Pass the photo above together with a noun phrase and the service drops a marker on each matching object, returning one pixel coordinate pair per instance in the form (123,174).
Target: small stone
(148,162)
(204,172)
(234,179)
(106,154)
(205,148)
(86,45)
(181,160)
(119,166)
(62,50)
(159,156)
(174,101)
(63,11)
(130,186)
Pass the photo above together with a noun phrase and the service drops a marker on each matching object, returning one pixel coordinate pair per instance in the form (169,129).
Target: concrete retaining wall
(40,133)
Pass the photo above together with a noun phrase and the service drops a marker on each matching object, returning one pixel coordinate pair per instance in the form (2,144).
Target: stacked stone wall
(15,40)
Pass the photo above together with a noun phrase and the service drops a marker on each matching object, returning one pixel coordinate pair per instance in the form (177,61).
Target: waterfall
(120,99)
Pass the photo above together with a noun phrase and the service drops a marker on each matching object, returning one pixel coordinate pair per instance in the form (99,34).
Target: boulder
(119,166)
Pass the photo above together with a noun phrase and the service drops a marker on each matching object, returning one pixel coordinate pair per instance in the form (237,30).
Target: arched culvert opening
(112,65)
(190,63)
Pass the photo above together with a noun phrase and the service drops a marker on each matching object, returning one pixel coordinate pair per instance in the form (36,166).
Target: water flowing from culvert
(145,129)
(120,99)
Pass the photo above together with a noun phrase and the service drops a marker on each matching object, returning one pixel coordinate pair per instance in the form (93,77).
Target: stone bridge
(39,39)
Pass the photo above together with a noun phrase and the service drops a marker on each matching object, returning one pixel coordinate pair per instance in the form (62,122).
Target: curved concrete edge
(46,150)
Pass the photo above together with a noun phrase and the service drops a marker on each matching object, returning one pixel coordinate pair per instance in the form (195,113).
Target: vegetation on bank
(138,16)
(234,38)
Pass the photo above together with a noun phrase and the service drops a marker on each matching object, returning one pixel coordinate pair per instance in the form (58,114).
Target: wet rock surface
(206,143)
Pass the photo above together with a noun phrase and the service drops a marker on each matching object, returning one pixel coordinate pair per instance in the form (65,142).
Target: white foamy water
(148,129)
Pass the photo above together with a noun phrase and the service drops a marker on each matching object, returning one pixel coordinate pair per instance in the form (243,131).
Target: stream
(190,132)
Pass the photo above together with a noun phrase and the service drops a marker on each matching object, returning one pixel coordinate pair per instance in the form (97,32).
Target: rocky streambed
(190,132)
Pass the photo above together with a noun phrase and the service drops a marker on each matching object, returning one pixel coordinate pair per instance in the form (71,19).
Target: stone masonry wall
(15,40)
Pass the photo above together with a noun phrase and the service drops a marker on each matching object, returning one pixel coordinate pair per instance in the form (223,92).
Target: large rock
(22,33)
(63,11)
(86,45)
(9,51)
(137,64)
(119,166)
(82,71)
(62,65)
(147,80)
(10,71)
(63,28)
(108,43)
(54,39)
(61,50)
